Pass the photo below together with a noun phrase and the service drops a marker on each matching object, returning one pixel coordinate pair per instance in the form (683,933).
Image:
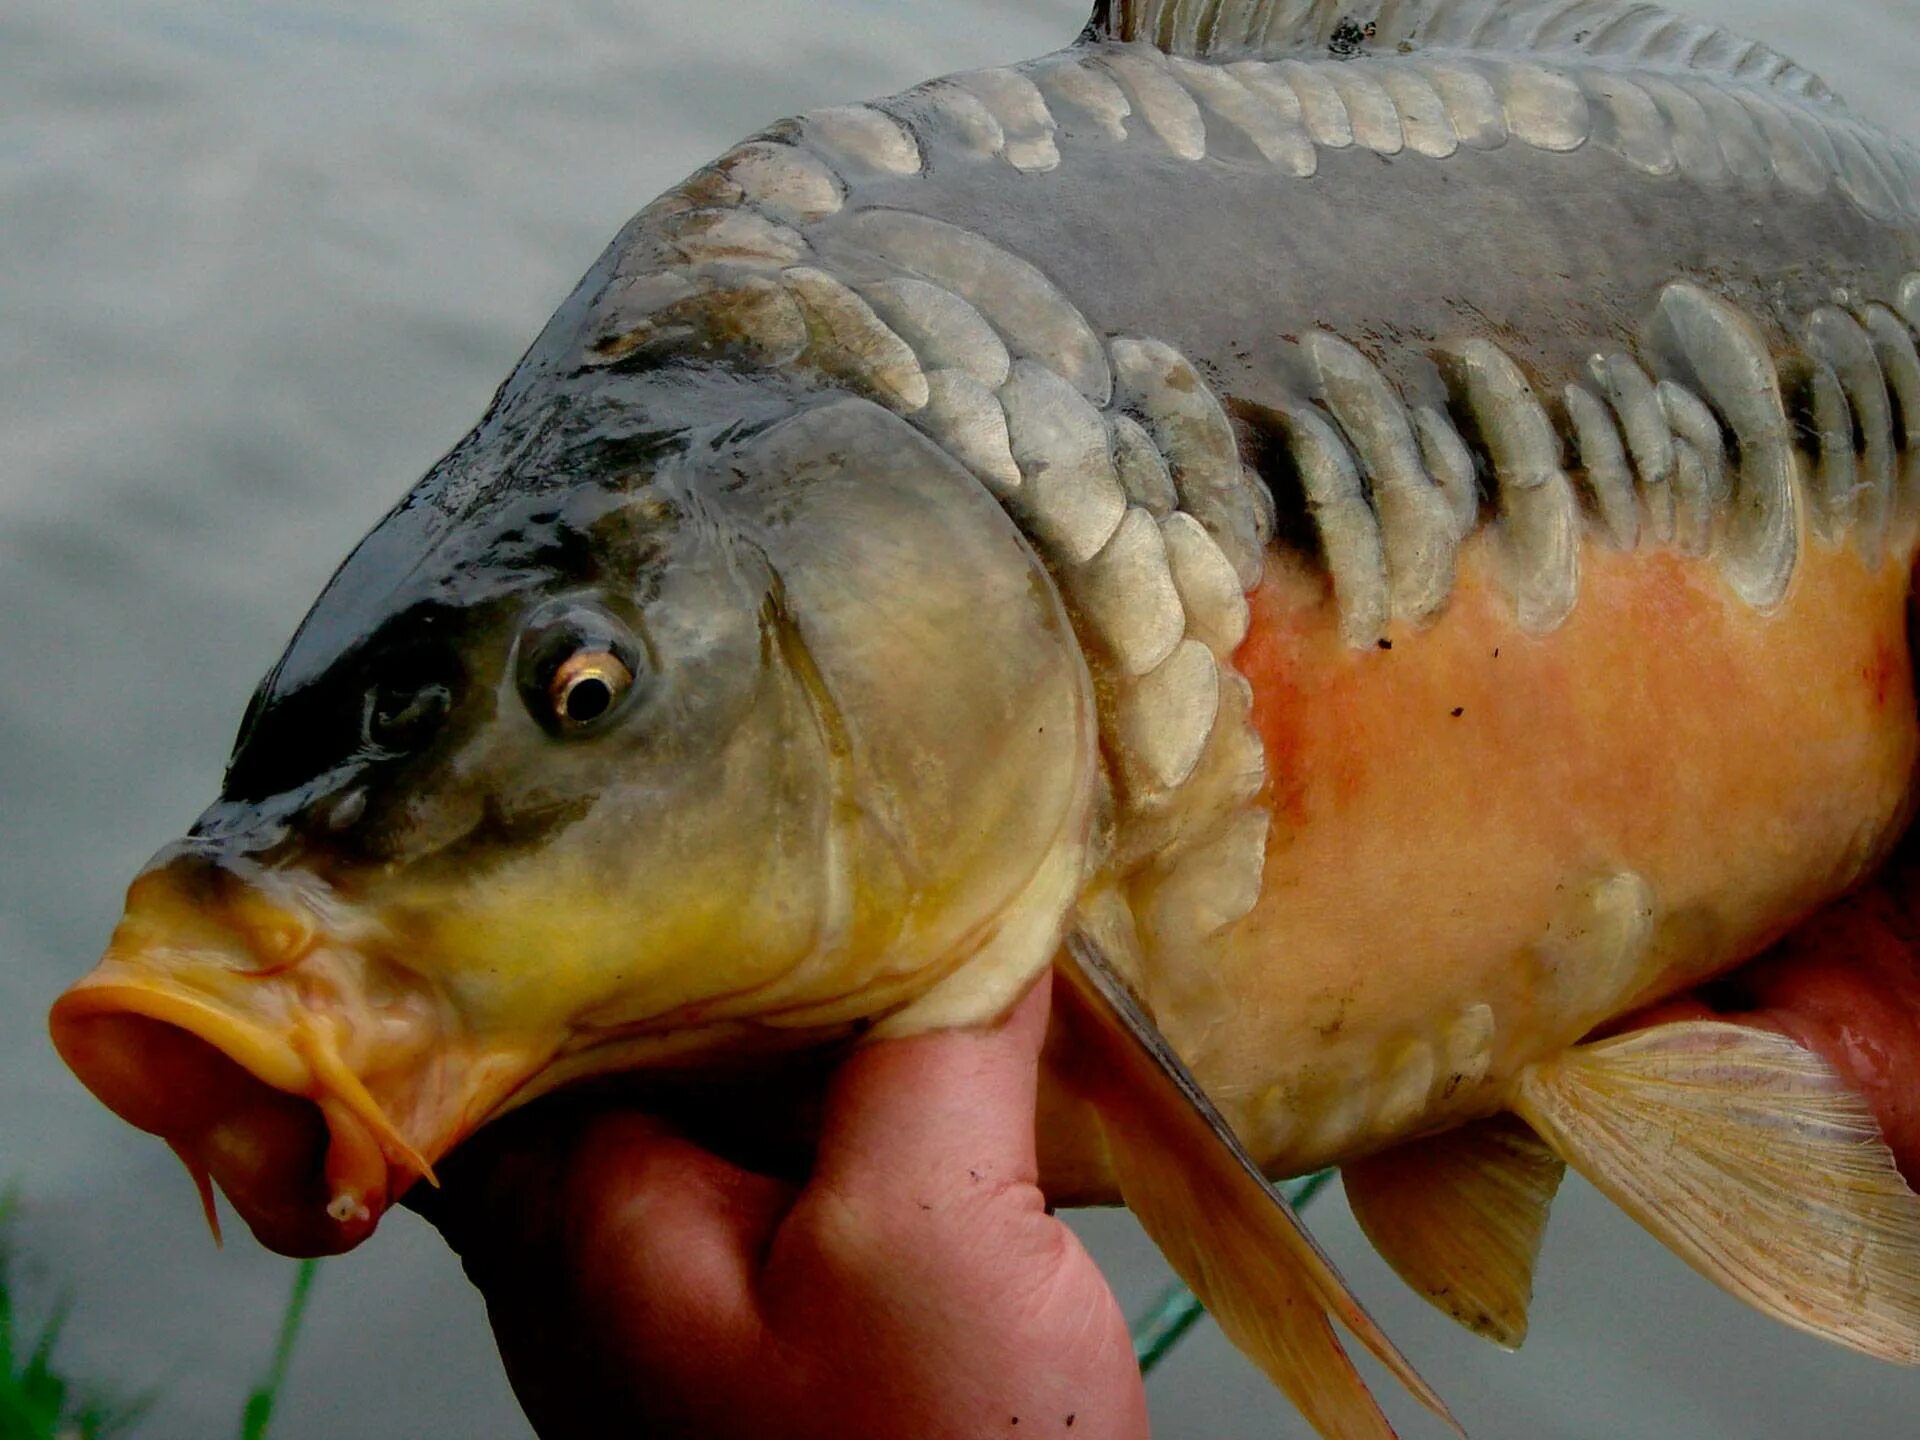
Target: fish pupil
(588,699)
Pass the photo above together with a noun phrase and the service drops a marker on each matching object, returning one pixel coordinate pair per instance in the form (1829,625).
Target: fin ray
(1749,1158)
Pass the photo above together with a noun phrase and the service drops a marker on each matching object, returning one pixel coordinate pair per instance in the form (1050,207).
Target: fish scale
(1375,537)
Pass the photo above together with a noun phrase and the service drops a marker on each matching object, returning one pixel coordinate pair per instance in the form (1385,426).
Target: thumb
(936,1109)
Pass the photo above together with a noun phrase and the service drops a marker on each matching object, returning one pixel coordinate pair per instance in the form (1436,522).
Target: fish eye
(577,665)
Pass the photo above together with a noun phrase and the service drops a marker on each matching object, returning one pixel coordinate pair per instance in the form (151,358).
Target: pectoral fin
(1460,1217)
(1222,1227)
(1750,1159)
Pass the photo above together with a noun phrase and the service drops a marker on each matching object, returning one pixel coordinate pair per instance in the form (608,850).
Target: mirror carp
(1373,539)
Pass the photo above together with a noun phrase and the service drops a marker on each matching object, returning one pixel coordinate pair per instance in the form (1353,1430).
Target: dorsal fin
(1620,32)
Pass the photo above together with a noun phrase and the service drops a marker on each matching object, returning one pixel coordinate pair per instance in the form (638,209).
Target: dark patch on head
(386,699)
(554,492)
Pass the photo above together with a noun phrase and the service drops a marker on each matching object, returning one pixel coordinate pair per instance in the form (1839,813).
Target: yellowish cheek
(547,945)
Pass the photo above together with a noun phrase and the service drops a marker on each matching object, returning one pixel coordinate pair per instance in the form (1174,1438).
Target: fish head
(649,745)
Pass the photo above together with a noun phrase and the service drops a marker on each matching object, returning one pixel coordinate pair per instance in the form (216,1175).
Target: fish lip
(269,1058)
(231,1021)
(234,1101)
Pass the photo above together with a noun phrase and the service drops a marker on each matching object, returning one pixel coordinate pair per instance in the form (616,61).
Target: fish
(1371,541)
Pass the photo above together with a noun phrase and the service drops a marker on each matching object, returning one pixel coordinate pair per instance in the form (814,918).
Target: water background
(260,264)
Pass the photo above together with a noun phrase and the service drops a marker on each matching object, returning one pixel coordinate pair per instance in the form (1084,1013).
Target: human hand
(915,1286)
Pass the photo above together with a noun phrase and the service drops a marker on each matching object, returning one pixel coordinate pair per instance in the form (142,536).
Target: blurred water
(260,263)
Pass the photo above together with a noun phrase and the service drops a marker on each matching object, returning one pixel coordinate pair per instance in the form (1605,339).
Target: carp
(1375,539)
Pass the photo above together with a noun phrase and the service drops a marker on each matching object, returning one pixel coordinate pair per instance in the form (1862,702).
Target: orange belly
(1485,844)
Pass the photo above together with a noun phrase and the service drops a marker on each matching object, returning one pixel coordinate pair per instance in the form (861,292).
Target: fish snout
(312,1081)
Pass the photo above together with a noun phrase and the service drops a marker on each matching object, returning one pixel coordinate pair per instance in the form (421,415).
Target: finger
(663,1234)
(617,1261)
(611,1208)
(498,1191)
(925,1114)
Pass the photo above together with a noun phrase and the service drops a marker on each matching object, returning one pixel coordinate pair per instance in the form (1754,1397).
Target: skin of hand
(915,1285)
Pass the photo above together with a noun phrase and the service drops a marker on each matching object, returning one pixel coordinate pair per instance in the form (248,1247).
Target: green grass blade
(1175,1311)
(258,1414)
(9,1198)
(37,1402)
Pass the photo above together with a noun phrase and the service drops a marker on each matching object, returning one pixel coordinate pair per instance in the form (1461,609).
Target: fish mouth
(314,1089)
